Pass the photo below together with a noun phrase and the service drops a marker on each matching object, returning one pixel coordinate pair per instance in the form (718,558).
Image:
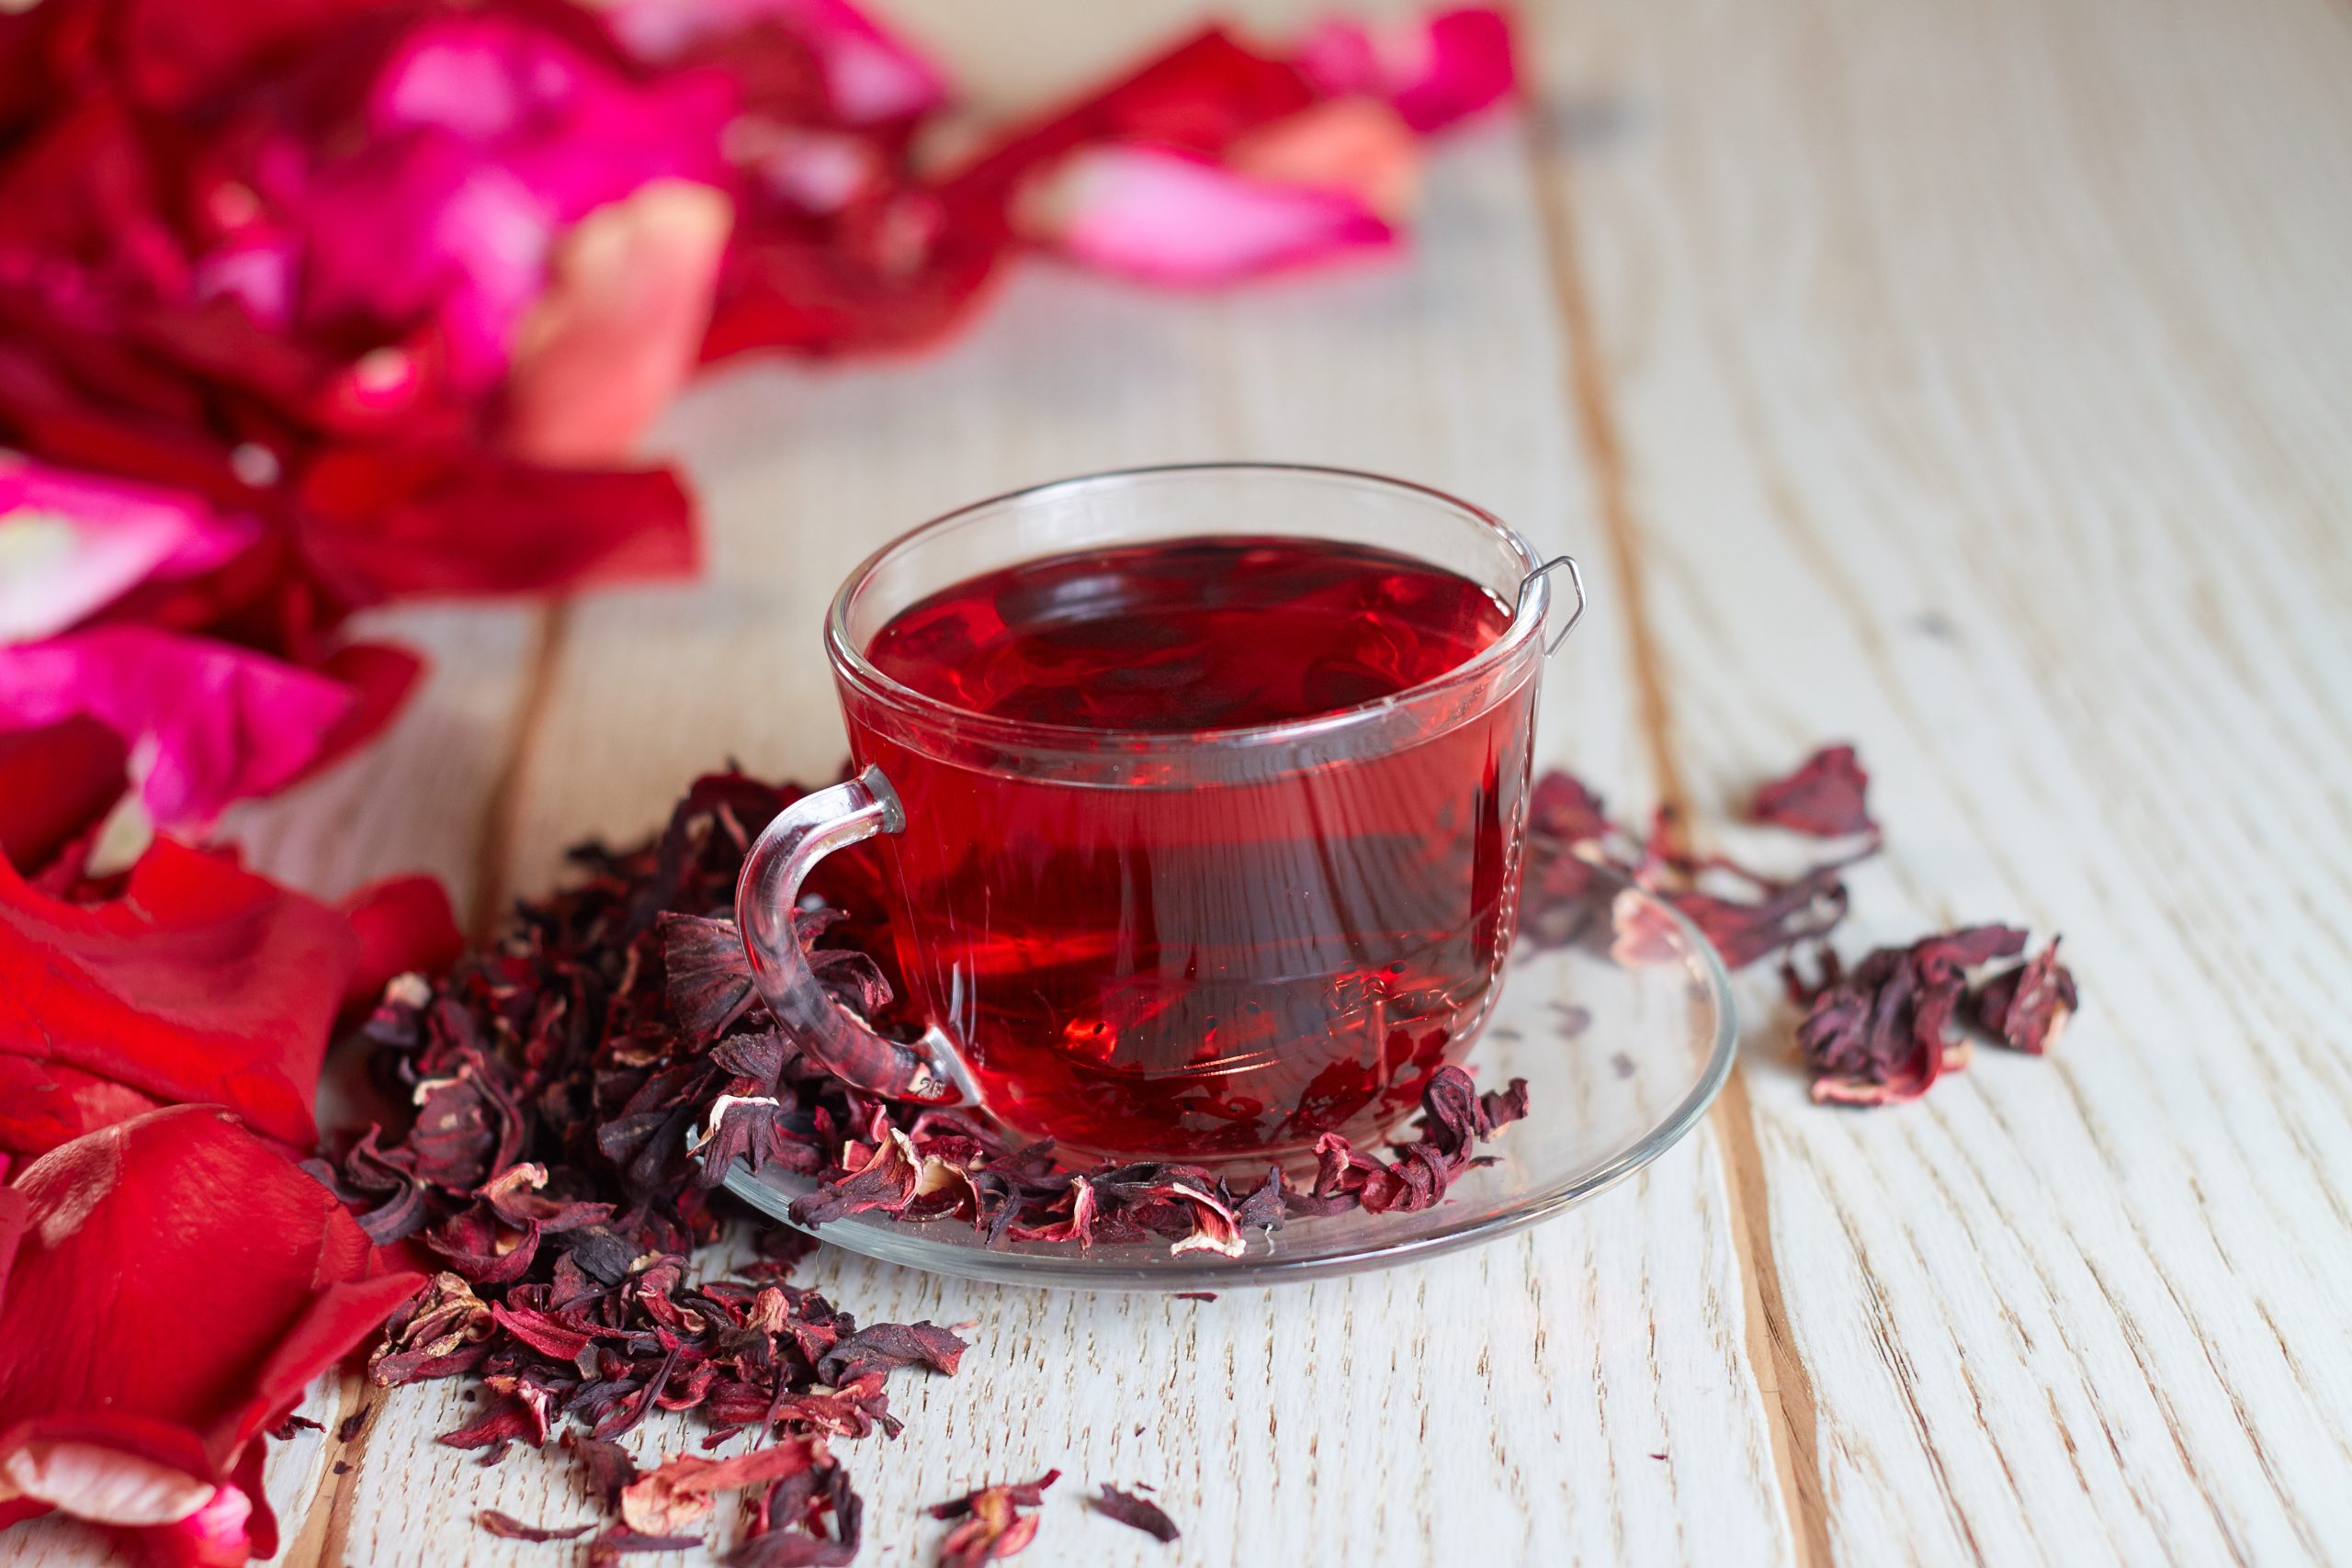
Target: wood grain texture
(1982,374)
(1969,379)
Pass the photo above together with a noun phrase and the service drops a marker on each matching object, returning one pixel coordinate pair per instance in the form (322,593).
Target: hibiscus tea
(1204,970)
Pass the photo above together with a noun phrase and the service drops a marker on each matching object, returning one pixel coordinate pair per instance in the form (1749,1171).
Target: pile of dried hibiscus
(309,306)
(1877,1034)
(559,1078)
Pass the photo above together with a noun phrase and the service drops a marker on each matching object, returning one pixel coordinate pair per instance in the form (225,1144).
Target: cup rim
(849,660)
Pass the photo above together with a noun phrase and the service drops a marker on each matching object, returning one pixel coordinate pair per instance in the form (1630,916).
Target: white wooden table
(1968,378)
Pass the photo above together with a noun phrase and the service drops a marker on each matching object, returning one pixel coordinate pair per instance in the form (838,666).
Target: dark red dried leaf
(1141,1513)
(1880,1033)
(1561,806)
(620,1541)
(684,1490)
(708,975)
(1827,797)
(606,1469)
(992,1523)
(509,1528)
(887,1347)
(2027,1007)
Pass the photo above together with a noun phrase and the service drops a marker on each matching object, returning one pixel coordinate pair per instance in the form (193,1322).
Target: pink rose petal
(870,77)
(1357,145)
(620,326)
(71,543)
(1444,68)
(489,138)
(1170,218)
(213,723)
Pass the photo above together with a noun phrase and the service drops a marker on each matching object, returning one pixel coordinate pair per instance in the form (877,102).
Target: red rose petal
(56,784)
(404,925)
(388,523)
(620,326)
(379,677)
(172,1284)
(868,76)
(202,984)
(73,543)
(1434,72)
(219,723)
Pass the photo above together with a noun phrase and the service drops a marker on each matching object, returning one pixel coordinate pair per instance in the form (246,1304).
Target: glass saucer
(1621,1060)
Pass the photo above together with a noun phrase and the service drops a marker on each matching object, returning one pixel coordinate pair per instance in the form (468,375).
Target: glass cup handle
(766,895)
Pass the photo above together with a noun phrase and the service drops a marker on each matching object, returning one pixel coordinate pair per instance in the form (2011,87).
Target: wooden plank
(1505,1404)
(1980,374)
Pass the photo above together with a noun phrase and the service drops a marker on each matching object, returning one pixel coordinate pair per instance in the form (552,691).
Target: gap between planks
(1781,1380)
(496,844)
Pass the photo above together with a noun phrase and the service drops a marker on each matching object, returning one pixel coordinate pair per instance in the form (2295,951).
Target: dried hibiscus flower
(1882,1032)
(991,1522)
(1885,1032)
(1578,859)
(2027,1007)
(168,1287)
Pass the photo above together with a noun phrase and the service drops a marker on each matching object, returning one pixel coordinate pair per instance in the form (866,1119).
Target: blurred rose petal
(1435,71)
(619,327)
(489,138)
(1168,217)
(214,722)
(201,983)
(73,543)
(1356,145)
(57,783)
(379,677)
(869,76)
(405,926)
(385,522)
(172,1284)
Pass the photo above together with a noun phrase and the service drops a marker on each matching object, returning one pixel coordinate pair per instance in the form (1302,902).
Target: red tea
(1206,969)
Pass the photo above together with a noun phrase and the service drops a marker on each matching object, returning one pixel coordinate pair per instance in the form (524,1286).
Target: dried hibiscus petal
(2027,1007)
(684,1490)
(1880,1033)
(1828,796)
(992,1523)
(508,1528)
(172,1284)
(1139,1513)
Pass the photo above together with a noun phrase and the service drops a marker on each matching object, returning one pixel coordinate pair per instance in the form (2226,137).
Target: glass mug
(1196,944)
